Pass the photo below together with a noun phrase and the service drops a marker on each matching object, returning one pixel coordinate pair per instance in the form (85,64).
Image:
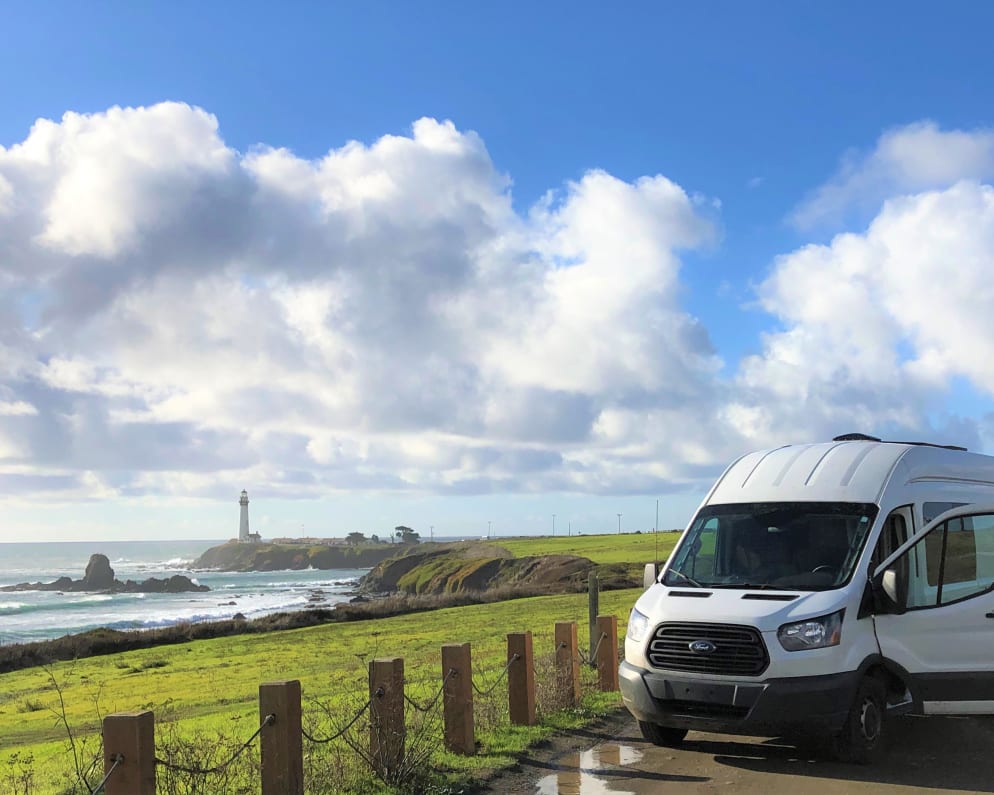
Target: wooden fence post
(607,653)
(281,743)
(567,663)
(129,753)
(386,713)
(457,698)
(520,679)
(593,607)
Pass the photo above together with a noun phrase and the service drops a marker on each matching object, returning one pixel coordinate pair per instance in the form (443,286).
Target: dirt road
(925,755)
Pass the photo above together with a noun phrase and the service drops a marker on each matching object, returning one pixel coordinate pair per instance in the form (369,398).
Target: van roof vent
(862,437)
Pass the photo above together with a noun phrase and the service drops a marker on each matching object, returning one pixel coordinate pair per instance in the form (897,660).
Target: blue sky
(619,248)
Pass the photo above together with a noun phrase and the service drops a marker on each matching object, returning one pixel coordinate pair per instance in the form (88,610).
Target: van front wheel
(661,735)
(861,738)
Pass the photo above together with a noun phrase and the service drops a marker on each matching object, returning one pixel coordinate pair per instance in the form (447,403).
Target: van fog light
(638,625)
(815,633)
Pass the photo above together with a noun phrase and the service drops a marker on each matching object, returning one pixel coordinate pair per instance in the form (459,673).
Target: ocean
(39,615)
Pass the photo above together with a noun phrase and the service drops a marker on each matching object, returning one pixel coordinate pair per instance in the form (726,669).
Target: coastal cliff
(426,568)
(469,567)
(234,556)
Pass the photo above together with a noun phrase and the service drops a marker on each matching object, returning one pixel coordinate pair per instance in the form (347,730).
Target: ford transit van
(822,588)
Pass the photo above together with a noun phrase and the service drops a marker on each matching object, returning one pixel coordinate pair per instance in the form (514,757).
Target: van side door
(942,628)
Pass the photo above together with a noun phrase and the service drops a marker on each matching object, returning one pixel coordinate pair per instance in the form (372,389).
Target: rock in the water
(180,583)
(99,575)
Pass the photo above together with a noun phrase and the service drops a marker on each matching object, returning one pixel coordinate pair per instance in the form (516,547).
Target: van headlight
(815,633)
(638,625)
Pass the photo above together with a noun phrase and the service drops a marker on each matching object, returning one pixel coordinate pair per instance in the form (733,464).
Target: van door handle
(990,615)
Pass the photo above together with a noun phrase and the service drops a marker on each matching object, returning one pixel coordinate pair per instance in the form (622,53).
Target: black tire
(661,735)
(861,740)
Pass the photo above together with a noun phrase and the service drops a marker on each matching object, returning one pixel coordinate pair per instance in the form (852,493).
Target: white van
(822,588)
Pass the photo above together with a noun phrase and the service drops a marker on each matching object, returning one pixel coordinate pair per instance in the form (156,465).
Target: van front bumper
(767,708)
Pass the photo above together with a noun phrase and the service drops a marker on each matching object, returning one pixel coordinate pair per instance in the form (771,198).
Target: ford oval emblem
(703,647)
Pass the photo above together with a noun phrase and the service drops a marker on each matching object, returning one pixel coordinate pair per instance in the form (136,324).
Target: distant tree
(406,535)
(374,538)
(355,538)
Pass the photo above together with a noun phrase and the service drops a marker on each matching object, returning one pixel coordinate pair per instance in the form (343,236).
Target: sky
(507,268)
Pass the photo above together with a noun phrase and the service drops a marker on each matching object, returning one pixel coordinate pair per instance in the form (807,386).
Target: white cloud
(917,157)
(18,408)
(877,326)
(187,318)
(381,320)
(111,179)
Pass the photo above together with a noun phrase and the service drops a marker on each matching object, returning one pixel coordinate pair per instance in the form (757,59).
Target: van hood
(766,610)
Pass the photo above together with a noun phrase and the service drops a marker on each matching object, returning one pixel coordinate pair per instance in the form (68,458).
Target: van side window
(959,562)
(932,509)
(893,534)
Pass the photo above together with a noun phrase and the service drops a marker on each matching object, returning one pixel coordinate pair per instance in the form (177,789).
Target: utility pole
(655,538)
(431,532)
(619,524)
(488,528)
(553,525)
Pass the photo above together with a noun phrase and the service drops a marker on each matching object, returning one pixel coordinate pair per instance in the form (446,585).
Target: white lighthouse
(243,527)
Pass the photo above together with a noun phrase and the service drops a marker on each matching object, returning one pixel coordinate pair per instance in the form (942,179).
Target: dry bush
(204,762)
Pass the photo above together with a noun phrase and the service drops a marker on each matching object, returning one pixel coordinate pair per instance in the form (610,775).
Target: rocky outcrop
(452,571)
(234,556)
(99,577)
(477,567)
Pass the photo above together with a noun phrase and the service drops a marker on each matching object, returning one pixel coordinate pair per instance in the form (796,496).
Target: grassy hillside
(207,688)
(633,548)
(212,685)
(541,565)
(234,556)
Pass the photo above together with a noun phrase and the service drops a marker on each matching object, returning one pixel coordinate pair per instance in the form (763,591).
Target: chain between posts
(348,726)
(503,673)
(118,759)
(593,654)
(438,695)
(200,771)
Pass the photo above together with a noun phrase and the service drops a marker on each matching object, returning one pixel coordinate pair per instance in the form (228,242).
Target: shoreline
(362,607)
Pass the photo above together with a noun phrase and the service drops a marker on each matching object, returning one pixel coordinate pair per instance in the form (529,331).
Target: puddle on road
(578,774)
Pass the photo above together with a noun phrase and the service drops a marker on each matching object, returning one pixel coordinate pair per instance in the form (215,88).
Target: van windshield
(793,546)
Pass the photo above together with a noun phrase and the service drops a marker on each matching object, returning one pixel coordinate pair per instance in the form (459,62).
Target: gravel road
(933,755)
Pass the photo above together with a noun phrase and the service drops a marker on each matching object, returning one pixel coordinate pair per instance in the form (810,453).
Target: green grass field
(632,548)
(212,685)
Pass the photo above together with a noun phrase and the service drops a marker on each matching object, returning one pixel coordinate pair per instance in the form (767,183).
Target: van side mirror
(891,592)
(649,575)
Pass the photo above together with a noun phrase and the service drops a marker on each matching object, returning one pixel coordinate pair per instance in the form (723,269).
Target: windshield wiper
(685,577)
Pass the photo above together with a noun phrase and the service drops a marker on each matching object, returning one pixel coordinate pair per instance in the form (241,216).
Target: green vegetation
(204,692)
(635,549)
(233,556)
(212,685)
(545,565)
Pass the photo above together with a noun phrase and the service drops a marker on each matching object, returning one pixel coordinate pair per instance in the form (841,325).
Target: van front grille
(729,650)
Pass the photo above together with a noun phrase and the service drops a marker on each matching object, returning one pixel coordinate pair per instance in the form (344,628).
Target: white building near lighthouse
(244,536)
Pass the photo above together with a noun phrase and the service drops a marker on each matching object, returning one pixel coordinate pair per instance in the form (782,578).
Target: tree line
(401,532)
